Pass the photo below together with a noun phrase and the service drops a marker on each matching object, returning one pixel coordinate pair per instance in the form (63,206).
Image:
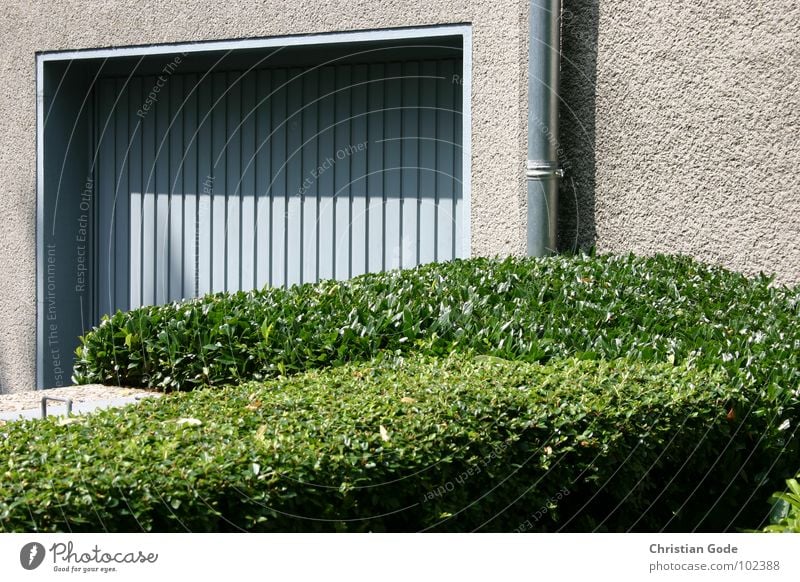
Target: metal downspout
(543,172)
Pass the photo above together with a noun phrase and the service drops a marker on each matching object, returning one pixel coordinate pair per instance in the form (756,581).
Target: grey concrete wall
(681,130)
(679,121)
(498,145)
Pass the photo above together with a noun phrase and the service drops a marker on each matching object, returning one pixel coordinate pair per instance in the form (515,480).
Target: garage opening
(170,172)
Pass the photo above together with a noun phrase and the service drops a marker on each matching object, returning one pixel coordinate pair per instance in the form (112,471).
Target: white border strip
(466,140)
(39,224)
(630,557)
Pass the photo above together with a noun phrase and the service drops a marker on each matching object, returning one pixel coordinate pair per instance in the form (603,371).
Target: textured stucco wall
(498,145)
(681,130)
(680,123)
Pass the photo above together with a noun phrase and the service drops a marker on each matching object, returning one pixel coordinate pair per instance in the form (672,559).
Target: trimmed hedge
(399,444)
(785,515)
(663,310)
(652,309)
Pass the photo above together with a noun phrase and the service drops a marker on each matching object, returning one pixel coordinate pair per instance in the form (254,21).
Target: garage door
(240,179)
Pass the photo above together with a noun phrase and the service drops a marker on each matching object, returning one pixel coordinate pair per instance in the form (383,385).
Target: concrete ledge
(83,407)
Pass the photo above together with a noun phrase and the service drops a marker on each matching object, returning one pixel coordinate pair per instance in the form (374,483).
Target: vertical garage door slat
(149,145)
(410,164)
(219,172)
(392,165)
(233,145)
(175,210)
(294,170)
(205,168)
(341,173)
(121,199)
(358,168)
(235,180)
(445,158)
(374,177)
(191,180)
(162,190)
(135,188)
(247,183)
(106,183)
(458,200)
(277,145)
(308,186)
(263,173)
(426,193)
(324,180)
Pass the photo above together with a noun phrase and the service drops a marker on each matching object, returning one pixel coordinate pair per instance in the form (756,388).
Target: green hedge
(785,515)
(398,444)
(653,309)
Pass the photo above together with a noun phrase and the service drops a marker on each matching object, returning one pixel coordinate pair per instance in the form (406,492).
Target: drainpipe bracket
(542,170)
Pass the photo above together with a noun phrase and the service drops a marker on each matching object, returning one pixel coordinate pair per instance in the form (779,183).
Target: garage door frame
(54,345)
